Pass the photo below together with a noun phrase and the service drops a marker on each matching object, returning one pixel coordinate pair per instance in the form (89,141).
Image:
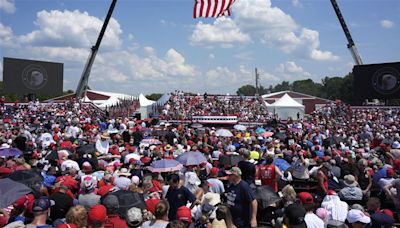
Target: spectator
(295,216)
(160,214)
(97,216)
(112,205)
(63,203)
(134,218)
(269,173)
(241,201)
(77,215)
(216,185)
(358,219)
(40,209)
(351,191)
(248,168)
(311,219)
(178,196)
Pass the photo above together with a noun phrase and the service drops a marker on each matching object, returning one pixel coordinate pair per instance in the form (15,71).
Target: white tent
(286,107)
(144,101)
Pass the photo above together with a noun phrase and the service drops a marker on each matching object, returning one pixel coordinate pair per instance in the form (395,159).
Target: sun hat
(123,172)
(355,215)
(350,181)
(211,198)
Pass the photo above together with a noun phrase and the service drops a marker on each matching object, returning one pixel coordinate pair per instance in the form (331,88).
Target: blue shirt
(178,198)
(239,199)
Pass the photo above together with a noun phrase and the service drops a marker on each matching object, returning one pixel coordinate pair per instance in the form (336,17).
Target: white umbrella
(240,127)
(224,133)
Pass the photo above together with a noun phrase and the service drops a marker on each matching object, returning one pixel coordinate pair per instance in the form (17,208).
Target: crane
(83,82)
(351,46)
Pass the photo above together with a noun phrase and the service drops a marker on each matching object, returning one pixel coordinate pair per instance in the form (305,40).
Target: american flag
(212,8)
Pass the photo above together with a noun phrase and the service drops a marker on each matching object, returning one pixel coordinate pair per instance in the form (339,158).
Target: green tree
(307,86)
(331,88)
(246,90)
(285,85)
(154,96)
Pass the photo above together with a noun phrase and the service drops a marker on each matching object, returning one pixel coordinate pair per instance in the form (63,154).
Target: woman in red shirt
(269,173)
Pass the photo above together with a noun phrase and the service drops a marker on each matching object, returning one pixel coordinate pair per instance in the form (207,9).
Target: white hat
(356,215)
(212,198)
(396,145)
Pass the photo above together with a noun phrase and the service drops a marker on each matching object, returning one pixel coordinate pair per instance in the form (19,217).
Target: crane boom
(351,45)
(86,71)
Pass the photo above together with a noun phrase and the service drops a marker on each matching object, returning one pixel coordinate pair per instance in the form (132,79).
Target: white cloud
(66,36)
(258,19)
(7,6)
(131,37)
(387,24)
(289,70)
(223,32)
(211,56)
(71,28)
(6,36)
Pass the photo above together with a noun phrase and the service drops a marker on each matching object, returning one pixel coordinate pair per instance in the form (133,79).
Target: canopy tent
(144,102)
(286,107)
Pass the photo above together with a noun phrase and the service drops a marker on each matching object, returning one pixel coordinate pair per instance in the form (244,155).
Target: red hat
(388,212)
(214,171)
(145,160)
(397,163)
(305,198)
(390,172)
(151,205)
(66,226)
(97,213)
(23,201)
(331,192)
(184,214)
(104,190)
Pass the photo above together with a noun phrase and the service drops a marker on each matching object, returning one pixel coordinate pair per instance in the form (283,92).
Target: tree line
(331,88)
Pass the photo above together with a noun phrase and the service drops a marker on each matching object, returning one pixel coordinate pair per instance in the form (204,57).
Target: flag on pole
(212,8)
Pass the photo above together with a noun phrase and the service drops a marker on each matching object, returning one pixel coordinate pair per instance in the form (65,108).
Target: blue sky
(156,45)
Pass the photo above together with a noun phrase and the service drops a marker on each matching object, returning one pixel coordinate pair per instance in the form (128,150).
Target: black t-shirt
(62,204)
(170,137)
(248,171)
(239,198)
(178,198)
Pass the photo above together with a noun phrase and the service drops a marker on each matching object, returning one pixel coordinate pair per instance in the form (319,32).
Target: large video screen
(23,77)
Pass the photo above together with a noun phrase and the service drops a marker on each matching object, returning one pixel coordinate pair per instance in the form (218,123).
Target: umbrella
(29,178)
(10,191)
(267,134)
(240,127)
(224,133)
(127,200)
(266,196)
(260,130)
(191,158)
(160,133)
(282,164)
(86,149)
(231,159)
(332,140)
(165,165)
(196,125)
(280,135)
(151,141)
(10,152)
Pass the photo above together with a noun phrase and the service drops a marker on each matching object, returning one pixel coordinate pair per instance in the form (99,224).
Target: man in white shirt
(300,168)
(311,219)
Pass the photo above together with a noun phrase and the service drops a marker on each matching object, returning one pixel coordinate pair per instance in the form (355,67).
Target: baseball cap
(184,214)
(97,213)
(355,215)
(296,214)
(134,217)
(305,198)
(205,183)
(214,171)
(151,205)
(234,171)
(42,204)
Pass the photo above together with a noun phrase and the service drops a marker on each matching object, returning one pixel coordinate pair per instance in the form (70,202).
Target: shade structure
(10,152)
(165,165)
(10,191)
(287,108)
(224,133)
(191,158)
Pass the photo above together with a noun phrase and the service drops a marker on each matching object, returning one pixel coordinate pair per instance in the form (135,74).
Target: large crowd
(183,106)
(338,167)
